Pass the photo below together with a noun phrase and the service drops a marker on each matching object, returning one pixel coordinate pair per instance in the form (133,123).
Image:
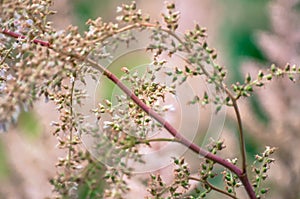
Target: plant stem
(70,148)
(241,134)
(5,56)
(157,140)
(213,187)
(195,148)
(17,35)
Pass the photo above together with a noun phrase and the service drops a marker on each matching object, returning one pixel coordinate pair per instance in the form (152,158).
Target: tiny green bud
(291,77)
(260,74)
(269,77)
(153,176)
(287,67)
(259,84)
(263,191)
(214,56)
(273,68)
(235,88)
(220,145)
(248,78)
(227,178)
(249,88)
(223,74)
(176,161)
(168,73)
(187,69)
(178,71)
(265,169)
(212,175)
(171,6)
(108,103)
(259,158)
(133,5)
(264,176)
(205,95)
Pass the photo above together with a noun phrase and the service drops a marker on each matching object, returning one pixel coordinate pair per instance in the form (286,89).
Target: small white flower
(169,107)
(72,79)
(79,167)
(91,31)
(51,63)
(25,107)
(58,33)
(2,72)
(15,115)
(119,9)
(29,21)
(107,124)
(3,127)
(18,55)
(2,87)
(17,16)
(54,123)
(9,77)
(25,46)
(119,18)
(15,45)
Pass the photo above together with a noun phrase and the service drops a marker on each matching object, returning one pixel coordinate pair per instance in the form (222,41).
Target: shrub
(37,61)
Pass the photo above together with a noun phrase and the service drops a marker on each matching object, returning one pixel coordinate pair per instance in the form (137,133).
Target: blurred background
(248,34)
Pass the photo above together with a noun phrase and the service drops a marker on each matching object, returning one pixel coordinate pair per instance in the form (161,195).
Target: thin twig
(71,123)
(213,187)
(157,140)
(242,139)
(17,35)
(5,56)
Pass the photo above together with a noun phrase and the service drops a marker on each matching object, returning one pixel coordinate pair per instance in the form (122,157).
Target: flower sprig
(247,88)
(177,188)
(260,167)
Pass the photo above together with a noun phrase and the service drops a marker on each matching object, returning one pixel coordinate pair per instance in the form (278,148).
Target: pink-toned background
(30,160)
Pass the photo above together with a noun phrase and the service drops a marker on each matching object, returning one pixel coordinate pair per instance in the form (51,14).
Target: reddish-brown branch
(243,177)
(17,35)
(195,148)
(241,134)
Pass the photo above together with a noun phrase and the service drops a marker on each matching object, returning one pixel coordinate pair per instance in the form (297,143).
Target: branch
(17,35)
(241,134)
(192,146)
(213,187)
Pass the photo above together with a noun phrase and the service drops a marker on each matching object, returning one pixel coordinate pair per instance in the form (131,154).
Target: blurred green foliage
(90,9)
(134,60)
(29,124)
(241,21)
(4,167)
